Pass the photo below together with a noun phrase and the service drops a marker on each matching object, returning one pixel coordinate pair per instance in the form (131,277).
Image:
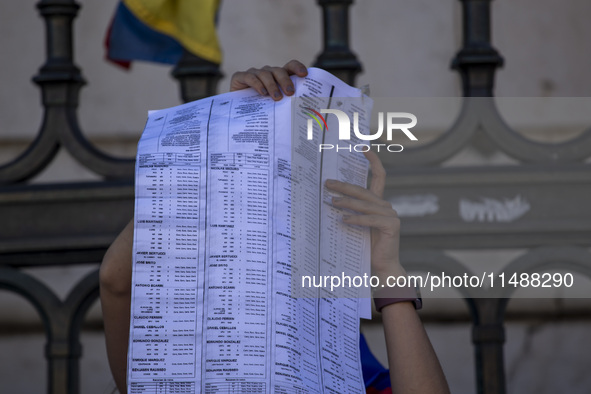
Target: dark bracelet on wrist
(391,295)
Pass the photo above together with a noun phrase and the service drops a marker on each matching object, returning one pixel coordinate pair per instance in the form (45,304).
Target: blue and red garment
(376,377)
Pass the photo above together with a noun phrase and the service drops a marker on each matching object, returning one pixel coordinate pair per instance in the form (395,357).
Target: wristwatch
(391,295)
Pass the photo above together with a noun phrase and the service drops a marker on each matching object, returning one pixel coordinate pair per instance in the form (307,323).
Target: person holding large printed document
(413,364)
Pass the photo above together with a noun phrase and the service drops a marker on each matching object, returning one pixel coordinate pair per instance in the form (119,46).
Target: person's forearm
(116,322)
(115,289)
(414,367)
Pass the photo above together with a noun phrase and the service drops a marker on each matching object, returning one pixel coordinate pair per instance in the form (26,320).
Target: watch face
(418,303)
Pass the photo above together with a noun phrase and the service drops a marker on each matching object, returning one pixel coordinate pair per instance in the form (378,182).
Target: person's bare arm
(115,289)
(414,367)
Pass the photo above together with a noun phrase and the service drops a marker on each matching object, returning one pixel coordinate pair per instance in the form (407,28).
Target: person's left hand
(374,212)
(269,80)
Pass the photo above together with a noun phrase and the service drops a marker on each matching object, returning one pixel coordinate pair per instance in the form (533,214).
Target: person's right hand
(269,80)
(369,208)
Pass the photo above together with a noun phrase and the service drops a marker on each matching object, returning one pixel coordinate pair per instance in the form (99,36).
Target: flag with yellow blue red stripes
(159,31)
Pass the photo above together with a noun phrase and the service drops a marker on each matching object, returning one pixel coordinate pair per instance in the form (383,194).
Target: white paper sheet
(212,309)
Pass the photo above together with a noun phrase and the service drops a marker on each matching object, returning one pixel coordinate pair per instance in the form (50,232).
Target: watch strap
(392,295)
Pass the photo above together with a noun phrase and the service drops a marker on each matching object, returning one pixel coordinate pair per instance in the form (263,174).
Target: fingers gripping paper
(220,184)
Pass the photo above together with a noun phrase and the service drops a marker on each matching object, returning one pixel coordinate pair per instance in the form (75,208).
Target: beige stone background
(406,48)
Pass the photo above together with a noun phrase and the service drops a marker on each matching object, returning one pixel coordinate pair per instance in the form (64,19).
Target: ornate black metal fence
(57,224)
